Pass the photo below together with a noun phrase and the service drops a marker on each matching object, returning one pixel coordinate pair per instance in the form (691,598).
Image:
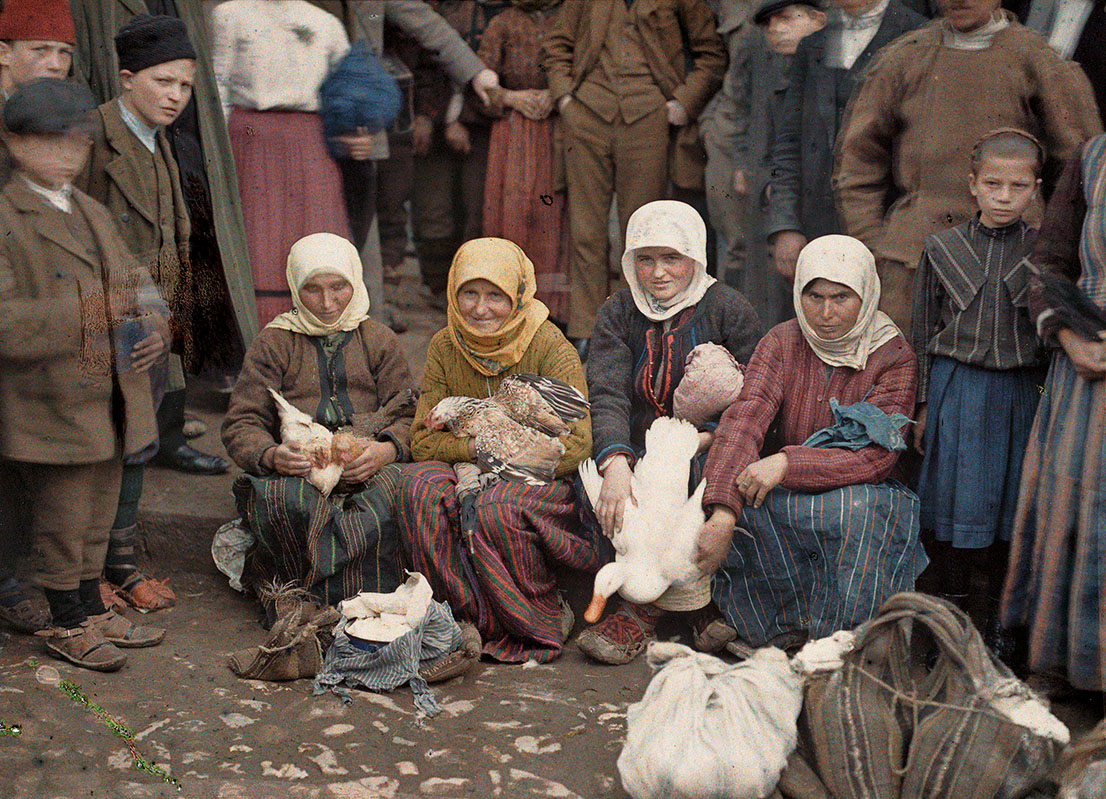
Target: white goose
(656,545)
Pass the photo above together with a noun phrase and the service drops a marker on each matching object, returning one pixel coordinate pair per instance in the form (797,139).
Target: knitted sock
(66,608)
(130,492)
(121,567)
(90,598)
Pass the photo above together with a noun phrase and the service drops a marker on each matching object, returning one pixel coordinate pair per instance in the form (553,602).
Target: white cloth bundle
(706,729)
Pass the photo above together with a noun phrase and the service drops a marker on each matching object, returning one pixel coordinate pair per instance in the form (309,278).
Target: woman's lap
(819,562)
(504,581)
(336,546)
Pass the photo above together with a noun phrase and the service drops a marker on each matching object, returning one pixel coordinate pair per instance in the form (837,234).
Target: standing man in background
(627,75)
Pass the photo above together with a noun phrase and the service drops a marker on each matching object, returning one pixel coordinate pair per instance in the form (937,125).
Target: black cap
(148,40)
(48,105)
(770,7)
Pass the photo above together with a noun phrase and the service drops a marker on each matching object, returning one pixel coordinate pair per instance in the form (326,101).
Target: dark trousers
(395,177)
(447,202)
(71,510)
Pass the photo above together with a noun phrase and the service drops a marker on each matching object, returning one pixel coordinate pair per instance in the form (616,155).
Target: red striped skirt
(507,585)
(290,188)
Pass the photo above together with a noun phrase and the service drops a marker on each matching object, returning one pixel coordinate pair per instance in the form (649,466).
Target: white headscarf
(667,223)
(323,253)
(843,259)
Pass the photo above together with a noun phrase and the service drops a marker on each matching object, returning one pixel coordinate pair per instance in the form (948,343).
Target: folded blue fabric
(860,425)
(358,93)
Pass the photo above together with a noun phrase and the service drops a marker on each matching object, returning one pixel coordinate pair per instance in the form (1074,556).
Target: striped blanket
(336,547)
(818,563)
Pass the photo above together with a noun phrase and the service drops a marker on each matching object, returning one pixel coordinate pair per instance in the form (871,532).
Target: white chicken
(313,440)
(656,546)
(331,452)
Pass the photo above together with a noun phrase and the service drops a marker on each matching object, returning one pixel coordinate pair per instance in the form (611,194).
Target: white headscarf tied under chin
(844,260)
(667,223)
(323,253)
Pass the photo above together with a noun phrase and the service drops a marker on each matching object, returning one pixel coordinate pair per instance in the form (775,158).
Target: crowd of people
(904,230)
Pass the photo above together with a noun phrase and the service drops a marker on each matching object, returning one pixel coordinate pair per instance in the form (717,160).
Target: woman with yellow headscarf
(502,578)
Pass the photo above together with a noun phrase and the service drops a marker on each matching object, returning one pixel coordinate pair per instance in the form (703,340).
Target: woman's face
(662,271)
(482,305)
(326,295)
(830,308)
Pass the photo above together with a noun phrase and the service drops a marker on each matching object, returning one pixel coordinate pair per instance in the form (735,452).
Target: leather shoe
(188,459)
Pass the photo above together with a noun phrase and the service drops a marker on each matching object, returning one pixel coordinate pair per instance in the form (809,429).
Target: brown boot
(124,633)
(83,646)
(290,652)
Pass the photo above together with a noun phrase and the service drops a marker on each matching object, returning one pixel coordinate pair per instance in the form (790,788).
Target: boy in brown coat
(133,173)
(80,326)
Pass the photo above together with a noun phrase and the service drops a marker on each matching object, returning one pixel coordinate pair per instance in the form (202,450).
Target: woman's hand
(148,351)
(706,438)
(614,493)
(422,133)
(1088,357)
(359,145)
(714,539)
(376,455)
(760,477)
(457,137)
(286,459)
(920,429)
(533,104)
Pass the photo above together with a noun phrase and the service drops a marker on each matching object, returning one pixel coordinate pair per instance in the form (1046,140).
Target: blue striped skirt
(977,427)
(819,562)
(1056,583)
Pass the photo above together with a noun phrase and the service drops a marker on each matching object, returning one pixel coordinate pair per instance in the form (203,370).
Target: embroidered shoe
(620,637)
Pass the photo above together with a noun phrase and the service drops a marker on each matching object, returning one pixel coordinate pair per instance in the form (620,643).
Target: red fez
(37,20)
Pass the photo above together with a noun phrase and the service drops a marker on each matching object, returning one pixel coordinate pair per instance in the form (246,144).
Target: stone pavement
(511,731)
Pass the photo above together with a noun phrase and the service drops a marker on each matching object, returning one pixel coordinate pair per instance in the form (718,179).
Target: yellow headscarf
(503,264)
(323,253)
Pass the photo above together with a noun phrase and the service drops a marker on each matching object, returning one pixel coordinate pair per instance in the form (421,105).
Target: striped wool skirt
(506,583)
(818,563)
(336,546)
(977,428)
(1056,583)
(290,188)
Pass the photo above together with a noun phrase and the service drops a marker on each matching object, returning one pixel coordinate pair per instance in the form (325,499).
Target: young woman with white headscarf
(330,360)
(636,358)
(823,536)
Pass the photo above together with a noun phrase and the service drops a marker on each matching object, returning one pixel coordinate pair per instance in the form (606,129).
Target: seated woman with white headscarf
(636,360)
(823,536)
(339,367)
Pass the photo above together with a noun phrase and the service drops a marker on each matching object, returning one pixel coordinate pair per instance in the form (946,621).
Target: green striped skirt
(336,546)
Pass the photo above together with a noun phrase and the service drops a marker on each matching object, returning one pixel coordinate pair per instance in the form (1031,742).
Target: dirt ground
(510,731)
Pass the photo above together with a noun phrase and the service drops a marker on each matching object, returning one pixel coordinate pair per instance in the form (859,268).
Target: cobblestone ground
(512,731)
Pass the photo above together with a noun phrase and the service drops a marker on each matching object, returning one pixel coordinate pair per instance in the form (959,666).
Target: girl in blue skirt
(979,371)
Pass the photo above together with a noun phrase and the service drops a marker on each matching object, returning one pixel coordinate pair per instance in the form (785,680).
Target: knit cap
(37,20)
(47,105)
(148,40)
(770,7)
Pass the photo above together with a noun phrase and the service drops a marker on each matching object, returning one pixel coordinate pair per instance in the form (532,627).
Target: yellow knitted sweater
(448,374)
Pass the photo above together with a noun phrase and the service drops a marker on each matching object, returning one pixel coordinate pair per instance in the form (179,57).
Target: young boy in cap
(133,173)
(80,326)
(36,41)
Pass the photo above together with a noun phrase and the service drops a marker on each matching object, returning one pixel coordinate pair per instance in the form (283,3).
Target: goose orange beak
(595,608)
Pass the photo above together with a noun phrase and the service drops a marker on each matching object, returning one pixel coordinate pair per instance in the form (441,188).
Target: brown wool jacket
(669,29)
(372,366)
(119,176)
(904,149)
(58,404)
